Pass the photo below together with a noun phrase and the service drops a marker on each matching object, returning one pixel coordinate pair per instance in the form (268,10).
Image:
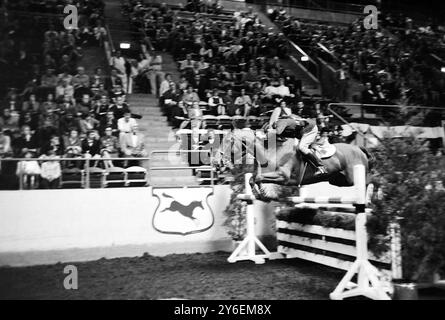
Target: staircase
(160,136)
(310,85)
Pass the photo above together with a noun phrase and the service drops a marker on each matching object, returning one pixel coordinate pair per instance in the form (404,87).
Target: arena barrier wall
(46,227)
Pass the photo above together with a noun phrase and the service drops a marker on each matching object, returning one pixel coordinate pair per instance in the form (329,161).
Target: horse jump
(368,283)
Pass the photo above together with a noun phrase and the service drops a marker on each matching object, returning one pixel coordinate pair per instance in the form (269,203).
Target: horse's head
(264,152)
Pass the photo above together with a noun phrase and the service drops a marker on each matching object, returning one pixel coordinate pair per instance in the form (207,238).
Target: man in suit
(368,95)
(169,101)
(27,142)
(343,82)
(119,108)
(201,84)
(91,145)
(113,80)
(133,144)
(381,96)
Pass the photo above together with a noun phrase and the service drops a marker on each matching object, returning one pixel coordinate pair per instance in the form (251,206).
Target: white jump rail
(368,277)
(247,248)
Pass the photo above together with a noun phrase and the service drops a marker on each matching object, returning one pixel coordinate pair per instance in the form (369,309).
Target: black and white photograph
(220,157)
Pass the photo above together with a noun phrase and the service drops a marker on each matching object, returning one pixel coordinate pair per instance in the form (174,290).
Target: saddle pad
(325,151)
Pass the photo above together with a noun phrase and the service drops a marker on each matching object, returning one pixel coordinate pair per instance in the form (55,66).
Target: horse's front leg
(264,193)
(277,177)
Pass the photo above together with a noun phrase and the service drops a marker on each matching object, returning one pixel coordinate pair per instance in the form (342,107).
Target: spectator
(229,102)
(343,82)
(81,82)
(91,146)
(113,81)
(97,79)
(5,145)
(88,123)
(126,123)
(381,96)
(133,144)
(8,121)
(73,145)
(188,63)
(84,106)
(108,122)
(201,84)
(49,104)
(50,171)
(54,144)
(216,104)
(118,64)
(64,89)
(27,171)
(183,84)
(49,80)
(119,108)
(195,116)
(27,142)
(256,109)
(155,74)
(165,84)
(279,112)
(368,95)
(101,107)
(169,100)
(243,103)
(32,104)
(109,147)
(179,114)
(190,96)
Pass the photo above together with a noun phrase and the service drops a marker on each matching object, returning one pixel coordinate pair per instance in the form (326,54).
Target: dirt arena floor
(197,276)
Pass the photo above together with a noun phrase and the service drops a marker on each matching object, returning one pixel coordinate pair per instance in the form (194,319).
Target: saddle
(325,150)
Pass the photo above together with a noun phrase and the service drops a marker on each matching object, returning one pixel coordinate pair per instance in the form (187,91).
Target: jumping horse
(285,164)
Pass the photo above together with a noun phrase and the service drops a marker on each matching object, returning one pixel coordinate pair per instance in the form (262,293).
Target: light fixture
(124,45)
(442,69)
(304,58)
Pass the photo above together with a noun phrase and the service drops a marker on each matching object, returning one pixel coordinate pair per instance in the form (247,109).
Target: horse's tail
(369,155)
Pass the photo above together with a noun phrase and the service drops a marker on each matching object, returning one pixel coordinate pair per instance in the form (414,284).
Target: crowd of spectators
(393,62)
(229,63)
(62,111)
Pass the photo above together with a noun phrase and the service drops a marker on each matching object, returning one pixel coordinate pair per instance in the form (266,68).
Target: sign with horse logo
(183,211)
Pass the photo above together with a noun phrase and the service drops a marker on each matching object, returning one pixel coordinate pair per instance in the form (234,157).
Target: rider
(306,131)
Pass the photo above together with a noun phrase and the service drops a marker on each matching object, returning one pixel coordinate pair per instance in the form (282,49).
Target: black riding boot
(317,163)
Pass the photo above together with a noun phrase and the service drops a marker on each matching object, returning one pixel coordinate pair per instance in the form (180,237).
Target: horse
(186,211)
(283,165)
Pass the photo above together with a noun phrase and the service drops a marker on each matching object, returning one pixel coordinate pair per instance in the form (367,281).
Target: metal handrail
(383,106)
(310,60)
(364,105)
(149,167)
(86,160)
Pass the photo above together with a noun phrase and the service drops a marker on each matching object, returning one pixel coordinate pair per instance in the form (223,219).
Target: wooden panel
(318,244)
(314,257)
(328,232)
